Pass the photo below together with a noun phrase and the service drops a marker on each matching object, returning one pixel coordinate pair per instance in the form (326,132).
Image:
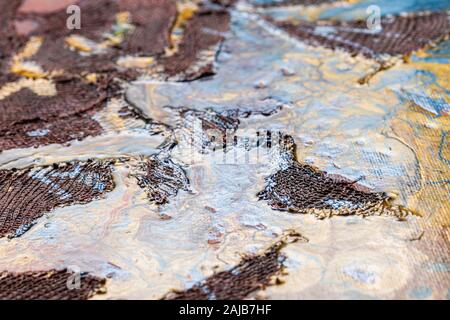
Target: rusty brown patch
(35,134)
(301,188)
(162,179)
(147,34)
(7,12)
(10,41)
(98,18)
(202,37)
(32,120)
(27,118)
(152,21)
(253,273)
(25,195)
(400,35)
(48,285)
(73,96)
(54,55)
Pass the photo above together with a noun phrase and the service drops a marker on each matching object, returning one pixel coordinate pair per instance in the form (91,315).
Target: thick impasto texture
(221,149)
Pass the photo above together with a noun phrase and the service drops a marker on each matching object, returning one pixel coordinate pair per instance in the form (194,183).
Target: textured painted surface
(48,285)
(389,134)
